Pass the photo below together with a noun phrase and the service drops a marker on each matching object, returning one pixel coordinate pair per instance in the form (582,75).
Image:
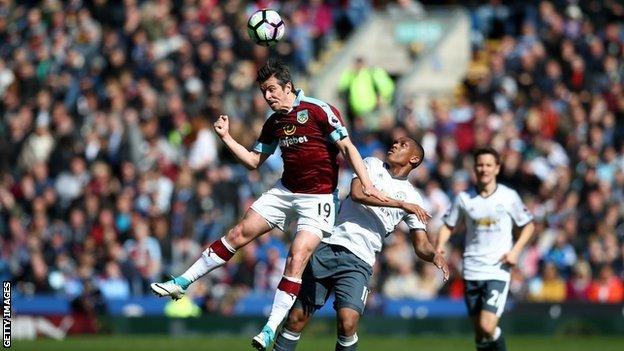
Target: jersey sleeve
(267,142)
(410,219)
(519,212)
(369,163)
(332,123)
(453,214)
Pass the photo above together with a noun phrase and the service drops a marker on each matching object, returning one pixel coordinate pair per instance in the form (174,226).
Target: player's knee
(347,326)
(296,322)
(487,327)
(235,236)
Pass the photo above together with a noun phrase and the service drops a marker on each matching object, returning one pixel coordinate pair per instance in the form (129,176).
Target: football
(265,27)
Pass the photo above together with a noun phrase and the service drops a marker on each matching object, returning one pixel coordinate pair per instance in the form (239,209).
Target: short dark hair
(277,68)
(488,150)
(420,151)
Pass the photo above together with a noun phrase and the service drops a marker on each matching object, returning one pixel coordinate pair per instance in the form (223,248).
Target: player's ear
(415,160)
(288,87)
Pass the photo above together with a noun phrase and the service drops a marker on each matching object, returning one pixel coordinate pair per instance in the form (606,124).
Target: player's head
(404,151)
(276,85)
(486,165)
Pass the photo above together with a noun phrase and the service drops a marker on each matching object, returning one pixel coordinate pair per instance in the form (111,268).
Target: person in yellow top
(366,89)
(550,287)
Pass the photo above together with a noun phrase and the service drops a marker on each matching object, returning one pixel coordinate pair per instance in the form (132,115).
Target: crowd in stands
(545,90)
(111,176)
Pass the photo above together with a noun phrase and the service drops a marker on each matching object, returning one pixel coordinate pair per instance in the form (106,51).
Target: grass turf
(315,343)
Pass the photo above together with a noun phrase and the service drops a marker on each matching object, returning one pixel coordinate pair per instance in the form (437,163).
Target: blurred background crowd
(111,176)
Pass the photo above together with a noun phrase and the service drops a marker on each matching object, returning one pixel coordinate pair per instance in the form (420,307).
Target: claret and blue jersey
(307,136)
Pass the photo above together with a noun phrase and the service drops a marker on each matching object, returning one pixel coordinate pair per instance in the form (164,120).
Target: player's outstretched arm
(358,196)
(249,159)
(443,236)
(352,156)
(511,257)
(424,249)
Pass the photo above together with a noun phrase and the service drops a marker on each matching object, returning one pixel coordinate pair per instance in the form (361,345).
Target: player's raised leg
(288,288)
(216,255)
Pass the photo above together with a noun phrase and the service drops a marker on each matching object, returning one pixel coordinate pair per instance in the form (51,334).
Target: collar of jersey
(300,95)
(489,196)
(297,101)
(393,177)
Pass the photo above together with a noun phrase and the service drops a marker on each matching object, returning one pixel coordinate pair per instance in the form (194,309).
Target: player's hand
(440,262)
(222,126)
(416,210)
(509,259)
(374,192)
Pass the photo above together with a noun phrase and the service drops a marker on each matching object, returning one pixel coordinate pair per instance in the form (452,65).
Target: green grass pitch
(316,343)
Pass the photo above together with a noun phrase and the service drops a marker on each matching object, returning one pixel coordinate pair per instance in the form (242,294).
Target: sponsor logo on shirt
(289,129)
(302,116)
(289,141)
(486,222)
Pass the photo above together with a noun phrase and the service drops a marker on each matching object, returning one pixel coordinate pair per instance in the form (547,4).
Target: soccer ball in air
(265,27)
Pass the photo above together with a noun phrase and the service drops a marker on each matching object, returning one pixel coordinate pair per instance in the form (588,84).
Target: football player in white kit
(489,213)
(343,263)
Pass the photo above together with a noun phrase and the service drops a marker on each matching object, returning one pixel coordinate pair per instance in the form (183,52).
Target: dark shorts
(333,268)
(489,295)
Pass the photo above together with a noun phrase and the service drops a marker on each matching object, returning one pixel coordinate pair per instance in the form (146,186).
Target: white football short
(315,213)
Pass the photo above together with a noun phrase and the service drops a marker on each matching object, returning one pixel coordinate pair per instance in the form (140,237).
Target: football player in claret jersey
(489,213)
(343,262)
(310,134)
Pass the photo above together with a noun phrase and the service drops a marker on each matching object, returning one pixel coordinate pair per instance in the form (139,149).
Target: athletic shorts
(313,212)
(335,268)
(489,295)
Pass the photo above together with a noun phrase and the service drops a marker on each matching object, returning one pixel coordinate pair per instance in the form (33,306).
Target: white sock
(497,333)
(347,340)
(208,261)
(282,303)
(290,335)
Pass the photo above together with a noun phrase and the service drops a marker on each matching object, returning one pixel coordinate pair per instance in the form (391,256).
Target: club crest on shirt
(400,196)
(289,129)
(302,116)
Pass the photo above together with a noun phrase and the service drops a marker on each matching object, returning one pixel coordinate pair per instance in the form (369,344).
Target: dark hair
(420,151)
(487,151)
(277,68)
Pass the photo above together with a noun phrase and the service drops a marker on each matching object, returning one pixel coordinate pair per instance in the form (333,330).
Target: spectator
(144,253)
(112,284)
(367,89)
(550,287)
(580,282)
(404,283)
(562,255)
(607,287)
